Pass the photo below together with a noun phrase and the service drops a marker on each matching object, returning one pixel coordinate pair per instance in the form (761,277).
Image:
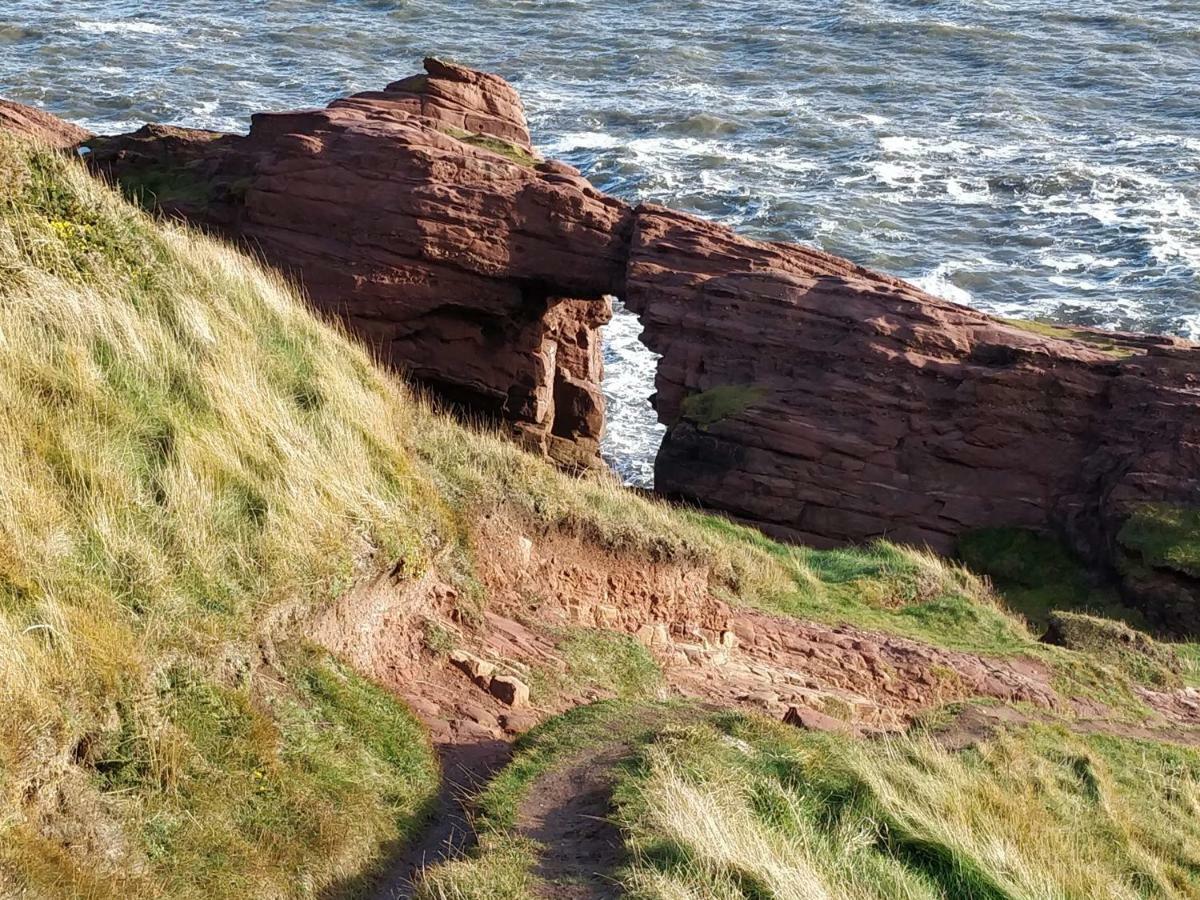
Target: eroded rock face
(824,402)
(833,404)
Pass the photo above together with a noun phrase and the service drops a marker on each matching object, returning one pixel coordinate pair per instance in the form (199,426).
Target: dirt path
(465,769)
(569,813)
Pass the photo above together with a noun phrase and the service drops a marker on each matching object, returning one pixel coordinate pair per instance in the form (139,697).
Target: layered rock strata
(824,402)
(420,216)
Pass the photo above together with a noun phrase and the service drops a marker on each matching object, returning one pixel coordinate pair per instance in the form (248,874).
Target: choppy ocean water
(1028,157)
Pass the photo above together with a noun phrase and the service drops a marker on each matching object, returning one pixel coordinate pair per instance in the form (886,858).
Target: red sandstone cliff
(823,401)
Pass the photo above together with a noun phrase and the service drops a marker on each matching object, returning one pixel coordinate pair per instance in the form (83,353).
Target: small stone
(517,722)
(605,616)
(479,715)
(510,690)
(811,720)
(478,670)
(729,640)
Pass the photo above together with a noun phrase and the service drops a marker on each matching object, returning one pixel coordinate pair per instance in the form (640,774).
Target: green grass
(707,408)
(1036,575)
(152,188)
(1164,536)
(608,662)
(742,807)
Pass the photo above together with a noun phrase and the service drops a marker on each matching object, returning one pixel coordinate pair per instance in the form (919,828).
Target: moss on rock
(724,401)
(1164,536)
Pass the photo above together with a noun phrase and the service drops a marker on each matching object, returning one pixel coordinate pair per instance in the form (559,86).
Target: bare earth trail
(568,812)
(811,674)
(465,769)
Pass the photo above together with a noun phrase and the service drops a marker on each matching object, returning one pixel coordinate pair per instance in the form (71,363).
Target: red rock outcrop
(420,216)
(825,402)
(832,404)
(17,118)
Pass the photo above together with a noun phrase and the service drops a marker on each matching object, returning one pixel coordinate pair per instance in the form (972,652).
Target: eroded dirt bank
(466,671)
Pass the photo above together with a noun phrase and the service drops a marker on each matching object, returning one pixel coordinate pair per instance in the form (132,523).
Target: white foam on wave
(1171,249)
(1190,327)
(898,175)
(968,191)
(134,27)
(633,433)
(1078,262)
(906,145)
(937,282)
(586,140)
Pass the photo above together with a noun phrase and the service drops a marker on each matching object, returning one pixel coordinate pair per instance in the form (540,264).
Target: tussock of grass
(748,808)
(1138,655)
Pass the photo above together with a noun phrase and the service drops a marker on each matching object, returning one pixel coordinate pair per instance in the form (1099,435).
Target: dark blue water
(1028,158)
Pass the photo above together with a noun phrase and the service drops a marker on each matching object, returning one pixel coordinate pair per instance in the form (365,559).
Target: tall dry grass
(747,809)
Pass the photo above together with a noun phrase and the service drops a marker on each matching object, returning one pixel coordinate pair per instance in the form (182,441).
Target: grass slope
(740,807)
(190,465)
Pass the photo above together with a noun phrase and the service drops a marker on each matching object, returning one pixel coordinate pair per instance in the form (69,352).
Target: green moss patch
(1164,536)
(1036,574)
(499,146)
(1096,339)
(707,408)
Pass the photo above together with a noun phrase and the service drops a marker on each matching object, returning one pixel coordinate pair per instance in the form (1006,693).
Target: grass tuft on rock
(1164,536)
(707,408)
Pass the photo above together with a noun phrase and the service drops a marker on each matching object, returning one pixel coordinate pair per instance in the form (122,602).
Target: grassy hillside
(191,466)
(737,807)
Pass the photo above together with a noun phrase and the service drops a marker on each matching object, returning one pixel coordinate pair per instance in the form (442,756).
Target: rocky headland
(822,401)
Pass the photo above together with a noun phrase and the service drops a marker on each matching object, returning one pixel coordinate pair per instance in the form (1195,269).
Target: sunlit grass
(744,807)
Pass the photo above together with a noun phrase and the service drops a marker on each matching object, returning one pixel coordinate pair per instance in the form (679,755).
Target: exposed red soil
(824,676)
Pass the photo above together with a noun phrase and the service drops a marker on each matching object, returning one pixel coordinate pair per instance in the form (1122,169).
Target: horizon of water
(1032,158)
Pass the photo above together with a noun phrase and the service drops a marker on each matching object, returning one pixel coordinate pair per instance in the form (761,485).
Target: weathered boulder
(455,97)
